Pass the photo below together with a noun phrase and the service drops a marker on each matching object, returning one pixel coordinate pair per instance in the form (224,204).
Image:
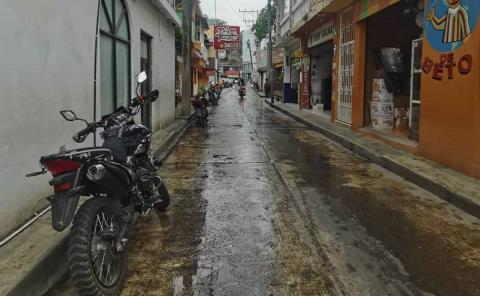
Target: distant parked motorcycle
(218,89)
(199,103)
(212,95)
(120,179)
(242,92)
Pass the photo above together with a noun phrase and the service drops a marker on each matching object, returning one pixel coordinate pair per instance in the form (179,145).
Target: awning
(168,11)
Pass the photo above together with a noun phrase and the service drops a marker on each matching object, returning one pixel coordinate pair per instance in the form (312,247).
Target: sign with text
(222,54)
(322,34)
(226,37)
(448,26)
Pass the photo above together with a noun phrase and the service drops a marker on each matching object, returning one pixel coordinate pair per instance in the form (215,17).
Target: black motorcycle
(120,179)
(212,95)
(199,104)
(242,92)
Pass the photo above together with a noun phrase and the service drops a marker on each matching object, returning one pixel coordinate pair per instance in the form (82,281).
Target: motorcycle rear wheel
(96,266)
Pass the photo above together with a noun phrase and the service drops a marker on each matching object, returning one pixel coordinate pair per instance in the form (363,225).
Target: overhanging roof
(168,11)
(319,9)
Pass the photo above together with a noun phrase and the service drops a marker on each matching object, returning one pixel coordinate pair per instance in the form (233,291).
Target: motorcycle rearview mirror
(69,115)
(141,77)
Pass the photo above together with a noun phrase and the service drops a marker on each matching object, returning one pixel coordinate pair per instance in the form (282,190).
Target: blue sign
(448,24)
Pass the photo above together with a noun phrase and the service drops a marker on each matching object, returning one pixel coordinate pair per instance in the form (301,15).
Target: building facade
(397,70)
(248,56)
(289,14)
(261,54)
(51,66)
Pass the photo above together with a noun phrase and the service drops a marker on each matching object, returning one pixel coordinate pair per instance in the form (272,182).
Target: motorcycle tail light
(60,166)
(62,187)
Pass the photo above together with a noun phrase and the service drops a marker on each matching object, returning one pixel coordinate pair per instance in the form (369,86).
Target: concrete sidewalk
(260,94)
(36,259)
(456,188)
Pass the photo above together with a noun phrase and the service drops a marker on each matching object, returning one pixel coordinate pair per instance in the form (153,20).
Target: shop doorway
(392,73)
(295,79)
(321,78)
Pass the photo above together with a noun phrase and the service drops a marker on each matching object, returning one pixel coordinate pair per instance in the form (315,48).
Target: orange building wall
(358,96)
(202,80)
(450,111)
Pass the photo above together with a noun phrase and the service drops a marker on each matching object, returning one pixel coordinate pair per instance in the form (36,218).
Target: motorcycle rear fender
(63,208)
(64,204)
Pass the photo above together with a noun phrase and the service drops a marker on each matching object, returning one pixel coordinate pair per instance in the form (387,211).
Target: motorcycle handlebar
(82,135)
(151,97)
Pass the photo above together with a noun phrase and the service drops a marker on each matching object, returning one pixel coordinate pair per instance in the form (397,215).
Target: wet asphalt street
(264,206)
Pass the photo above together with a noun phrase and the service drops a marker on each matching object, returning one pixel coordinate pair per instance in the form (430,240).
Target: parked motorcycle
(120,179)
(242,91)
(199,103)
(218,89)
(212,95)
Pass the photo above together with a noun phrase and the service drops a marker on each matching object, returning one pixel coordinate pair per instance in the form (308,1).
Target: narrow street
(264,206)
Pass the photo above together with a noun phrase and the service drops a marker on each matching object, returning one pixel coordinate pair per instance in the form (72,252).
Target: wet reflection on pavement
(264,206)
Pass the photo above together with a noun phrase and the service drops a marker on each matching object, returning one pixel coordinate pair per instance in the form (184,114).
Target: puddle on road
(233,230)
(230,229)
(438,245)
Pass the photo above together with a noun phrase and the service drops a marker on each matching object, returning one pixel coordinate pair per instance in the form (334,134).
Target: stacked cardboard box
(380,92)
(381,105)
(400,116)
(381,109)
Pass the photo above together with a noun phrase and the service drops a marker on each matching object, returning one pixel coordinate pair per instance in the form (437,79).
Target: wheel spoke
(108,272)
(103,249)
(104,220)
(95,256)
(101,267)
(99,223)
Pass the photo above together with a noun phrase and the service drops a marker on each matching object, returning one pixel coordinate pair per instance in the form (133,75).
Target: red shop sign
(226,37)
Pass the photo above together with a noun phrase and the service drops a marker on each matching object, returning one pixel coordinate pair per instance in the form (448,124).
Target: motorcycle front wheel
(96,265)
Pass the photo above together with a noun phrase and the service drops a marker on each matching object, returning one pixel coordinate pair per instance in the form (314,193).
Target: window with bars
(114,55)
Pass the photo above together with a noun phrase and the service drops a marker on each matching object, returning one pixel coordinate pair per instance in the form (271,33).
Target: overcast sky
(227,10)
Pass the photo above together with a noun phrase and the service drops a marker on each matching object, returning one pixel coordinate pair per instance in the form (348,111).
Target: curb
(172,139)
(463,202)
(54,265)
(46,273)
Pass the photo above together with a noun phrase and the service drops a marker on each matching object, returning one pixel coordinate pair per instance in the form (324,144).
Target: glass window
(122,74)
(119,10)
(106,77)
(104,22)
(114,55)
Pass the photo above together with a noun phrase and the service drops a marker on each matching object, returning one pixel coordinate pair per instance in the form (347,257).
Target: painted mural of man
(454,23)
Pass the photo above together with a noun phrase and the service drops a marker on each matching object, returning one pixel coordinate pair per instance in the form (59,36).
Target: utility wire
(234,10)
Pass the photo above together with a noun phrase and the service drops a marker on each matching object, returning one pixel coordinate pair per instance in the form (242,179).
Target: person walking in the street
(266,88)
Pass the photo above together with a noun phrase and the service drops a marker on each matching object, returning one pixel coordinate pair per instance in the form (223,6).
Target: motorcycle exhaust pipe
(103,176)
(96,172)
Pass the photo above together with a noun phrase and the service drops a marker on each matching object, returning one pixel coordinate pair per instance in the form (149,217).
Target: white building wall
(145,17)
(47,64)
(48,50)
